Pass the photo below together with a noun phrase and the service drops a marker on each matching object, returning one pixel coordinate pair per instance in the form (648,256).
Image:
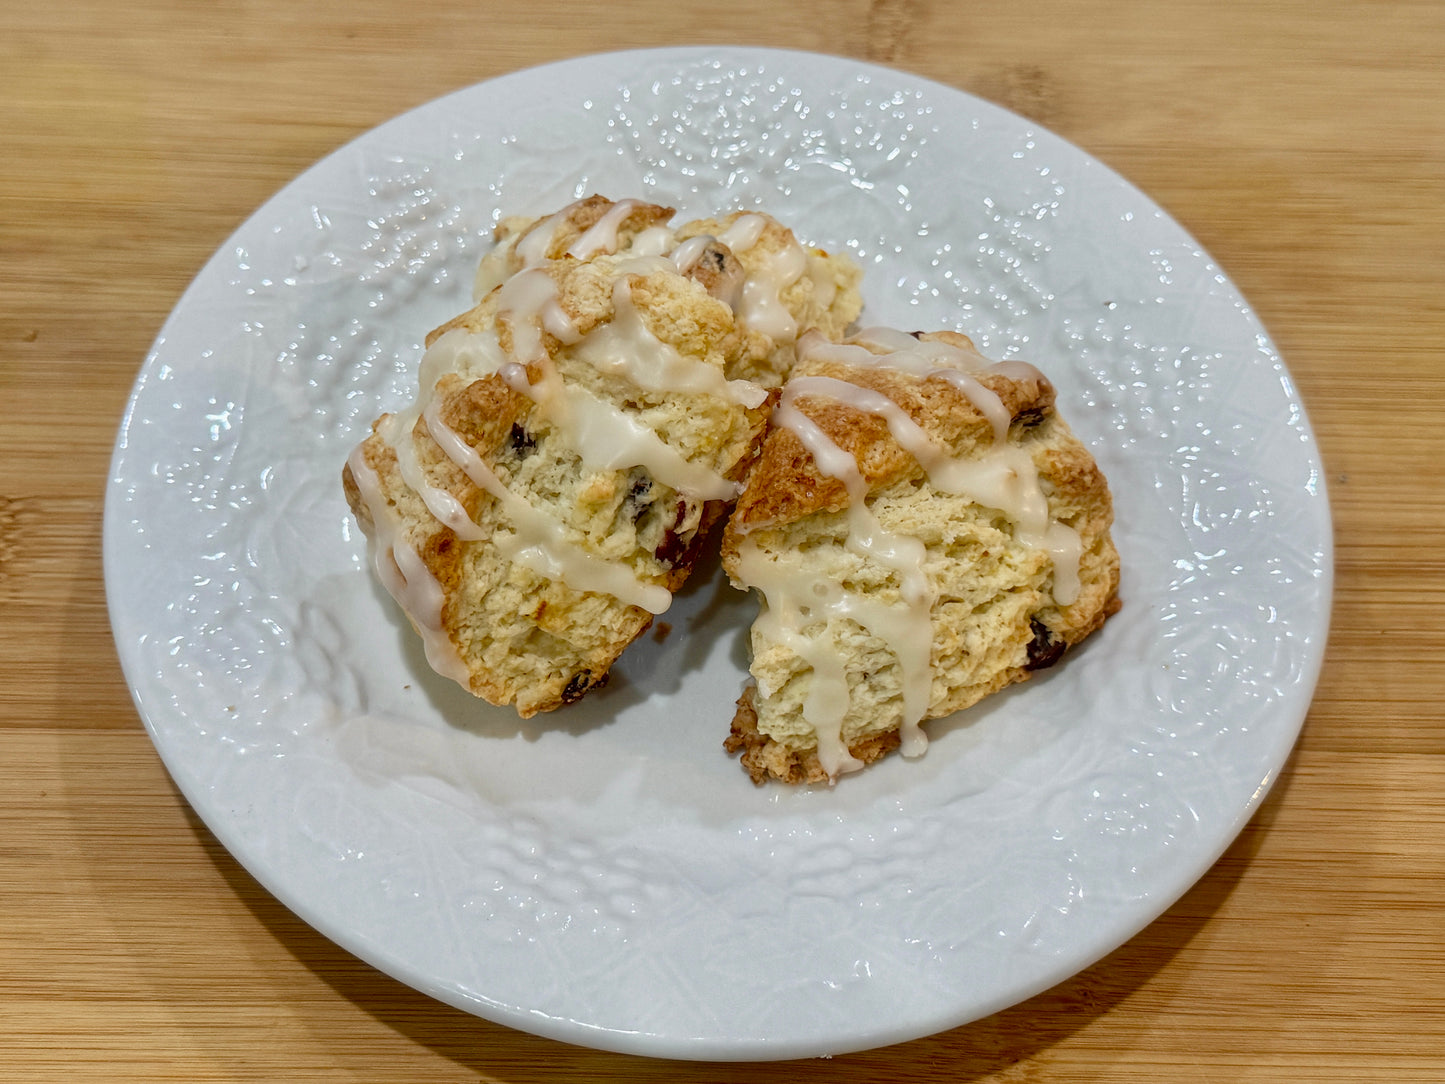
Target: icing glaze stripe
(405,575)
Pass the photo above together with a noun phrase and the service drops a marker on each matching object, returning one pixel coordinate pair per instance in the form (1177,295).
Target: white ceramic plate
(607,875)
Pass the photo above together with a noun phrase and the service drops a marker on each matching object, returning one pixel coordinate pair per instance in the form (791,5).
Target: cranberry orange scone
(575,436)
(924,530)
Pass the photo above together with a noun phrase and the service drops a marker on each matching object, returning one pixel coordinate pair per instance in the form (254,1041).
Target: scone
(776,287)
(924,530)
(576,435)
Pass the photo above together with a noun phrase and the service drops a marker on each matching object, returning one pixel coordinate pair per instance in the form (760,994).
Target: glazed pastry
(924,530)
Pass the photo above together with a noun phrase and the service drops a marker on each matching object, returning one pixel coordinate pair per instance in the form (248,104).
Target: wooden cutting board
(1303,144)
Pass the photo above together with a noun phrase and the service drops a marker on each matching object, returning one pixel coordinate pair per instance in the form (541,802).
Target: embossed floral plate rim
(607,876)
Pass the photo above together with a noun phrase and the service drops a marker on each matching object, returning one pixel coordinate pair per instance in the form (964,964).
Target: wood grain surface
(1302,143)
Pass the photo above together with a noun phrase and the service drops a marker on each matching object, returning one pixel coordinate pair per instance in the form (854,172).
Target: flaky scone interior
(924,530)
(577,433)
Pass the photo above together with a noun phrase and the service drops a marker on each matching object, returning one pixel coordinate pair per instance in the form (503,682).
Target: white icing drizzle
(533,248)
(814,344)
(726,287)
(907,629)
(530,248)
(828,697)
(743,232)
(540,543)
(825,288)
(405,575)
(606,438)
(441,504)
(493,270)
(1006,478)
(686,255)
(397,430)
(927,360)
(761,307)
(601,236)
(799,612)
(901,342)
(529,301)
(466,353)
(653,241)
(910,436)
(627,347)
(1066,550)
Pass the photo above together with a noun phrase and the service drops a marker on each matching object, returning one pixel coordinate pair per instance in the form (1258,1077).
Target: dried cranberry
(1044,650)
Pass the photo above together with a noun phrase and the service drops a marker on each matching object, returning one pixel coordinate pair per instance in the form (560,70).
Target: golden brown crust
(787,484)
(353,500)
(762,758)
(484,412)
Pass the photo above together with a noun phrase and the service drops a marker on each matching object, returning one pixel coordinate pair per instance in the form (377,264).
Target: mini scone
(924,530)
(776,287)
(576,435)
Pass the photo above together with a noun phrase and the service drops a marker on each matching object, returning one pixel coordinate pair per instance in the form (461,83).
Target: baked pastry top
(924,530)
(578,432)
